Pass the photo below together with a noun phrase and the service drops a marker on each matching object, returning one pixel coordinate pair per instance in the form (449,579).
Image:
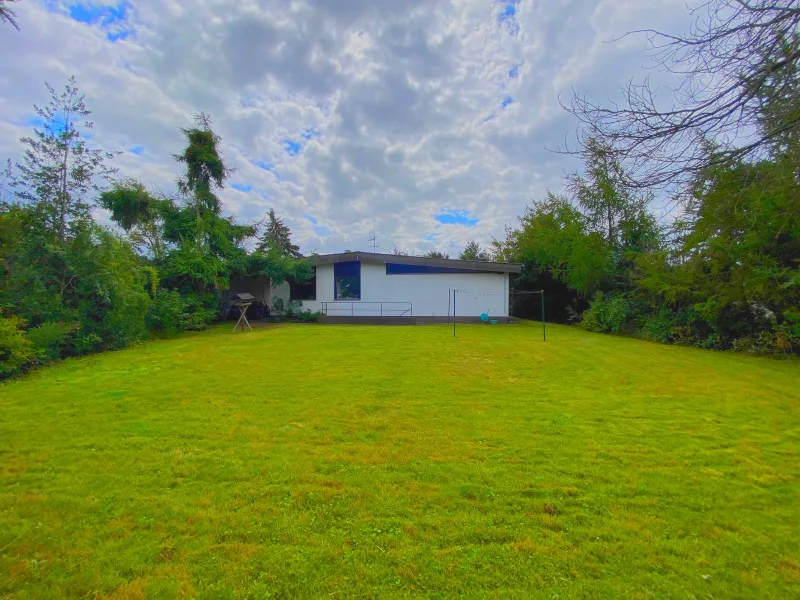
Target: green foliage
(436,254)
(278,305)
(139,213)
(553,237)
(58,169)
(279,267)
(277,238)
(474,251)
(172,312)
(50,340)
(92,279)
(16,350)
(608,314)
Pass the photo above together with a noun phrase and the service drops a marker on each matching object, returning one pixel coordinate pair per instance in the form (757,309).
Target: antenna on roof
(374,238)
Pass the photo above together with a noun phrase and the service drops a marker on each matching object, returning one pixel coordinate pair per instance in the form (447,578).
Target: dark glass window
(347,280)
(399,269)
(304,291)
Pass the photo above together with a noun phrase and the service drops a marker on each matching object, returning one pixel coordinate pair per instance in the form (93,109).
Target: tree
(436,254)
(205,172)
(611,209)
(58,168)
(278,237)
(473,251)
(554,236)
(397,251)
(7,15)
(731,54)
(140,214)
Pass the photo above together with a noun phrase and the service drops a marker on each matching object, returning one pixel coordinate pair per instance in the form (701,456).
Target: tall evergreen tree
(278,237)
(58,169)
(473,251)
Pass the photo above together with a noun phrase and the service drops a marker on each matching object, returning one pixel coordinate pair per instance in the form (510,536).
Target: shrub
(608,314)
(293,308)
(278,306)
(306,316)
(49,340)
(172,312)
(16,350)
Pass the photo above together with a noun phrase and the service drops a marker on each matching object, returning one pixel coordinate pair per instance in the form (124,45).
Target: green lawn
(337,462)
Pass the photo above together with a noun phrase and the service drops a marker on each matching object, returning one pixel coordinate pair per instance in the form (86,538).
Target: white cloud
(397,107)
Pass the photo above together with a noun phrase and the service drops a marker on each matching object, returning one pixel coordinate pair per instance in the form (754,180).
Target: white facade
(418,295)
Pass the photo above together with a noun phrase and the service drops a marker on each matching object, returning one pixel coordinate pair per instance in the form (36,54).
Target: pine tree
(473,251)
(58,170)
(278,237)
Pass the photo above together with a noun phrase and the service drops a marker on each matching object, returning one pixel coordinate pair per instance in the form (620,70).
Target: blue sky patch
(513,73)
(103,15)
(507,102)
(107,17)
(310,134)
(262,164)
(138,150)
(456,217)
(242,187)
(292,148)
(311,219)
(322,231)
(57,124)
(119,35)
(508,15)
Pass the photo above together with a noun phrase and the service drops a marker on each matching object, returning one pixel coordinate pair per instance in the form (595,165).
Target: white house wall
(427,293)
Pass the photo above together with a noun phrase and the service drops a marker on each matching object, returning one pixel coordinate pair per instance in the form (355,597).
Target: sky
(426,122)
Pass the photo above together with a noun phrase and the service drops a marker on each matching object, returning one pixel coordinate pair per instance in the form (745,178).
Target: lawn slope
(324,461)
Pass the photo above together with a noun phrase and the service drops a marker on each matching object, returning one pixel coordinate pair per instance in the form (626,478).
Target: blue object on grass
(484,317)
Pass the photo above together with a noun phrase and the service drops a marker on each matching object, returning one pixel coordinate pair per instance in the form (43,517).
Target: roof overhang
(478,266)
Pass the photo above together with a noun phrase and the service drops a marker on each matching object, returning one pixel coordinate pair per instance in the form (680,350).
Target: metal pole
(544,326)
(454,312)
(448,307)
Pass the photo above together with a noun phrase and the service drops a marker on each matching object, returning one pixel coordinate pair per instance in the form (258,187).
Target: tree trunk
(62,227)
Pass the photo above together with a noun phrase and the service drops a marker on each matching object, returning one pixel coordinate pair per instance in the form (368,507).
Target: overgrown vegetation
(69,286)
(726,273)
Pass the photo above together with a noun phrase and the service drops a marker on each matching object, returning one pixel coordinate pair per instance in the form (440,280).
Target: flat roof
(479,266)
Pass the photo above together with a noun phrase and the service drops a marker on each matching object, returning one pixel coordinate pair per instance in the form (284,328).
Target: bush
(16,350)
(278,306)
(49,340)
(608,314)
(307,316)
(172,312)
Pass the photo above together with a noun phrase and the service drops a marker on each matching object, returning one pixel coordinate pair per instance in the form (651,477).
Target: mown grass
(335,462)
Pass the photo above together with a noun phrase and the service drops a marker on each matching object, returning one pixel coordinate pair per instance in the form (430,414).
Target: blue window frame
(347,280)
(398,269)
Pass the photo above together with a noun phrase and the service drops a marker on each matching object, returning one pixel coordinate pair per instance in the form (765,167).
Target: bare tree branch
(733,50)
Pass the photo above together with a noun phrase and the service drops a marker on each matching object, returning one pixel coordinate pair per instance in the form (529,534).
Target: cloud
(353,111)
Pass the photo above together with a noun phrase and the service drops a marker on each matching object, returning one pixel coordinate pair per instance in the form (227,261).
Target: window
(304,291)
(347,280)
(401,269)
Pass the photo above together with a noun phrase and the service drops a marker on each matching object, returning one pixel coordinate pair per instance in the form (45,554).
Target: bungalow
(357,285)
